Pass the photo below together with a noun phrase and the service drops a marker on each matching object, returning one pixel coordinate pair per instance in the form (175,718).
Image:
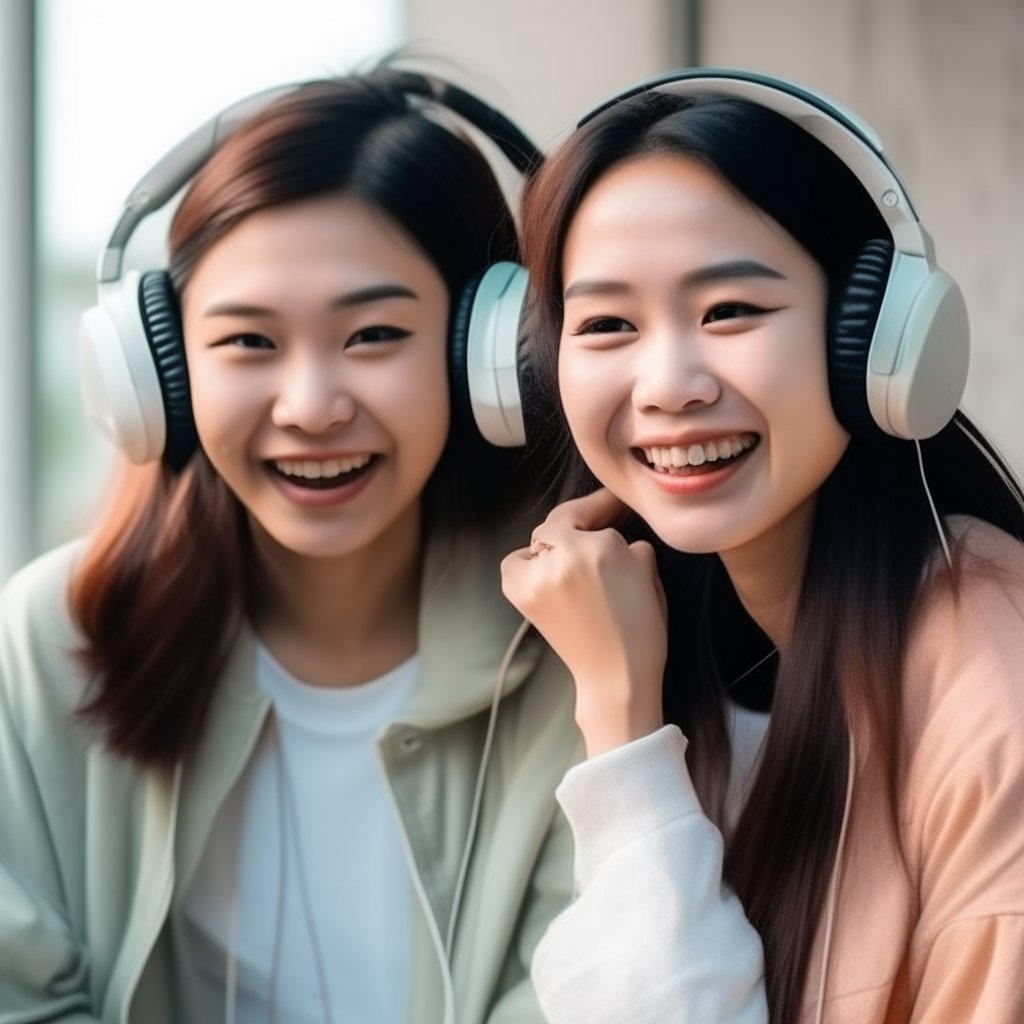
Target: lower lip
(307,497)
(699,483)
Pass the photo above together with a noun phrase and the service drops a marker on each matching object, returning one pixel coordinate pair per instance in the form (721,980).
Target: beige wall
(548,61)
(943,82)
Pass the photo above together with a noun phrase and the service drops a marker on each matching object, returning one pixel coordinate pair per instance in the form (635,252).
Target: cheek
(805,440)
(594,391)
(413,404)
(225,405)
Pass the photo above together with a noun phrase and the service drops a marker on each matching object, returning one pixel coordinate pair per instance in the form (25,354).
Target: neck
(767,572)
(346,619)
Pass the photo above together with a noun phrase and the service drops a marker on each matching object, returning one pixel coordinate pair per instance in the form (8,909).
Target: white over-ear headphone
(131,352)
(902,338)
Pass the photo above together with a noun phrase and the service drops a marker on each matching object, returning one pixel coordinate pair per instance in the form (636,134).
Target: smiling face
(316,342)
(692,358)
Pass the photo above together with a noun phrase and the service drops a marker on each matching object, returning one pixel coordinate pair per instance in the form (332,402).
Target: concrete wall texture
(943,83)
(941,80)
(547,61)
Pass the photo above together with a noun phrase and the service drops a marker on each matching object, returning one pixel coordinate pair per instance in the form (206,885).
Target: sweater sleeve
(44,971)
(653,936)
(45,966)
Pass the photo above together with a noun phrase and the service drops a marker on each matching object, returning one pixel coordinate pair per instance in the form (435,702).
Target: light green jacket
(95,855)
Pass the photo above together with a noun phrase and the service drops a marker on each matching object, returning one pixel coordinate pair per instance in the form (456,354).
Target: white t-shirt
(308,845)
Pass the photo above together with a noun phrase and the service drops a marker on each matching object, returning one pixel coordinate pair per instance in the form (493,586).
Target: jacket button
(409,742)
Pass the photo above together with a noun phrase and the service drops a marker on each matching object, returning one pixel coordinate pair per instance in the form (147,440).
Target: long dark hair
(872,542)
(167,579)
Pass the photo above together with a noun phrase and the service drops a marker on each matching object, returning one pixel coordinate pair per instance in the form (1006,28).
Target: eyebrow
(731,269)
(360,297)
(704,275)
(374,293)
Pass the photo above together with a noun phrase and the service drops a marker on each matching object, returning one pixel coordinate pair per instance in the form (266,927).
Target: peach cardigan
(935,932)
(927,927)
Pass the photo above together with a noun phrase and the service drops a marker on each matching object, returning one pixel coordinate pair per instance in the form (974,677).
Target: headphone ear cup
(458,368)
(853,316)
(492,354)
(161,319)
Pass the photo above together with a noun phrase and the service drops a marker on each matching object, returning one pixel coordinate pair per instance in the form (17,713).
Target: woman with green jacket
(244,724)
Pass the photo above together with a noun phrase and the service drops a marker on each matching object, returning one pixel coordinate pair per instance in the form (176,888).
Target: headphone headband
(162,181)
(173,170)
(854,141)
(899,343)
(131,347)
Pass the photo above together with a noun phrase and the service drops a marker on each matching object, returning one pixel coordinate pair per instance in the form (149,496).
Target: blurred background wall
(92,93)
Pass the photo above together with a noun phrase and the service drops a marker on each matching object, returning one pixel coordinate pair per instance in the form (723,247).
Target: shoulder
(968,636)
(38,638)
(963,762)
(964,672)
(40,588)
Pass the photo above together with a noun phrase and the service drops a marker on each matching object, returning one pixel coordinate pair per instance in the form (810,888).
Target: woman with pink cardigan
(804,678)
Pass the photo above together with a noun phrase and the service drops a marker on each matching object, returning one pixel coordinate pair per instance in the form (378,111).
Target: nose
(672,374)
(311,397)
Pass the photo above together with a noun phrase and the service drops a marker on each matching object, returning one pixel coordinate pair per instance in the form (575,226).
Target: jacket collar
(237,713)
(466,626)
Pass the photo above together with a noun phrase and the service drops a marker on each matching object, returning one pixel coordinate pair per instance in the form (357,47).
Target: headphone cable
(931,505)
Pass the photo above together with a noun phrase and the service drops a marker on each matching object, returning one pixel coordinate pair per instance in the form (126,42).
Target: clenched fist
(599,603)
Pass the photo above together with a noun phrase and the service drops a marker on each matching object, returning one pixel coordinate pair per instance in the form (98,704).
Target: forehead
(646,210)
(327,235)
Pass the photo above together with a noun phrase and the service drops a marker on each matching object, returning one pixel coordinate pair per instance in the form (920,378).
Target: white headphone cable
(478,793)
(231,964)
(931,504)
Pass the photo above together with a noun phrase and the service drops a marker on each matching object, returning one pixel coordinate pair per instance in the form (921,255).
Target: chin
(700,533)
(300,540)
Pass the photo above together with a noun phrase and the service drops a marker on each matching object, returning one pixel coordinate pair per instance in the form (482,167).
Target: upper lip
(687,438)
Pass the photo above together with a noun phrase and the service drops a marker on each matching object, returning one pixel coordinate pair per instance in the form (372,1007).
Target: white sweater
(654,937)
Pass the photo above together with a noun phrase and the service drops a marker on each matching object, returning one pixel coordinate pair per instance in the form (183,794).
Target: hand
(599,603)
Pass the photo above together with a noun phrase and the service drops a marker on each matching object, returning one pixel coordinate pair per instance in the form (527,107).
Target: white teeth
(697,454)
(312,470)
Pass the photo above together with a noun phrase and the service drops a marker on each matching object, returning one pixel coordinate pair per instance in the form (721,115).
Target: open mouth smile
(323,475)
(698,459)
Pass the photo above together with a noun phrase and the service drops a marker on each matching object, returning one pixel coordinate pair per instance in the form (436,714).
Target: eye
(378,333)
(732,311)
(248,341)
(607,325)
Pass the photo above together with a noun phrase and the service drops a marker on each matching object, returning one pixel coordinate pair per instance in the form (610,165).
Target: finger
(596,511)
(645,553)
(518,555)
